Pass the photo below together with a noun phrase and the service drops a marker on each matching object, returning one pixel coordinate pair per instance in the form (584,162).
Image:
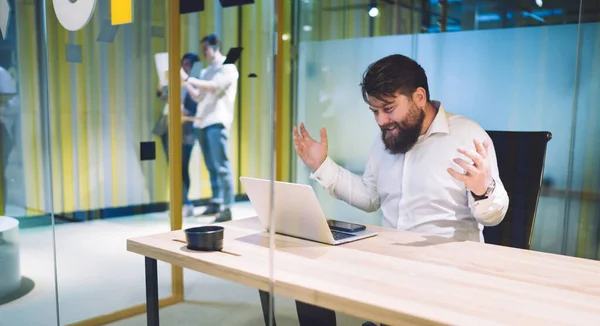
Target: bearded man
(430,171)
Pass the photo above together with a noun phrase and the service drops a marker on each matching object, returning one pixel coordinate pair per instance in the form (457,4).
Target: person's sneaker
(224,216)
(369,323)
(211,209)
(188,211)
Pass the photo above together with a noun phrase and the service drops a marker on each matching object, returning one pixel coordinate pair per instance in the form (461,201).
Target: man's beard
(407,132)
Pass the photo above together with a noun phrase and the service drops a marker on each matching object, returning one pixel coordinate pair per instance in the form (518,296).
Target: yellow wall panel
(121,11)
(82,131)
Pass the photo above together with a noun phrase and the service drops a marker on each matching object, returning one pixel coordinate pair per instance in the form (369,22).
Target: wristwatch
(488,192)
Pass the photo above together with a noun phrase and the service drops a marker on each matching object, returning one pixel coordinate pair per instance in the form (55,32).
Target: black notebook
(233,55)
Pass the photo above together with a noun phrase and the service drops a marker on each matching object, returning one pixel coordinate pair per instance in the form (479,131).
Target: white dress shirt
(415,191)
(217,106)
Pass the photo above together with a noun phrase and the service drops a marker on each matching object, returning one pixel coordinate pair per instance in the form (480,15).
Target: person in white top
(215,91)
(430,171)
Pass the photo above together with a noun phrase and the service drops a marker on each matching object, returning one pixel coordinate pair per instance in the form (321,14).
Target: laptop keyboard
(340,235)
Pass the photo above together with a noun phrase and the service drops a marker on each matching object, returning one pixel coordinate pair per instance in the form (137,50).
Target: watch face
(490,189)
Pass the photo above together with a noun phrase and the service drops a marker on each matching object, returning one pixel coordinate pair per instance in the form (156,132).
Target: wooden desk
(396,277)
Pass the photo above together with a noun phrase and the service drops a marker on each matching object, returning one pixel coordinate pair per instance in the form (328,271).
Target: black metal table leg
(265,297)
(151,292)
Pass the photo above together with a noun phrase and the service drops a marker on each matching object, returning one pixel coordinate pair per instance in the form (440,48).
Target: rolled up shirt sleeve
(360,192)
(227,75)
(491,210)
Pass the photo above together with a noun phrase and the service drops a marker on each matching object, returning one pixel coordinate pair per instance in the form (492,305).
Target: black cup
(205,238)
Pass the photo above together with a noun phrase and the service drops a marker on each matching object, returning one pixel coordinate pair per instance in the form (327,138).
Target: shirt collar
(219,62)
(440,122)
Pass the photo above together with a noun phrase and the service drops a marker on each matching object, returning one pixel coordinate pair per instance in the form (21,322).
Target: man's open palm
(312,152)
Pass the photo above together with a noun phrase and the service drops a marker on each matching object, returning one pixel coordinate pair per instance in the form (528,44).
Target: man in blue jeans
(215,91)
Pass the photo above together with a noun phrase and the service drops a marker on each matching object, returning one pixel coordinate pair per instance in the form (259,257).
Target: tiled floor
(96,276)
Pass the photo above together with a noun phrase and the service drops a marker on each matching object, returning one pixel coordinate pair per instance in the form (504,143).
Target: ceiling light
(373,12)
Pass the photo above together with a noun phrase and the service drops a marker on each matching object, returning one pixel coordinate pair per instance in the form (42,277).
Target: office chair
(521,156)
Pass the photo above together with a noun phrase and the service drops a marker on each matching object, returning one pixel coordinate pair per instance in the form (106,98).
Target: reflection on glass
(9,114)
(27,275)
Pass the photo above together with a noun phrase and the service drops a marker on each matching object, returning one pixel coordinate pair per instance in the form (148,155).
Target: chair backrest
(520,156)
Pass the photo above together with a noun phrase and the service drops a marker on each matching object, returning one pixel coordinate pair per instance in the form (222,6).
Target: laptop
(297,212)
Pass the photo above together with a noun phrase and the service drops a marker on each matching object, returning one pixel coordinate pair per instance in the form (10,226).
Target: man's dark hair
(212,40)
(393,74)
(191,57)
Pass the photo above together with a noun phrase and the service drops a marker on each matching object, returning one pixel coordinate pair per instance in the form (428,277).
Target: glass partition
(84,165)
(513,67)
(581,234)
(27,248)
(85,138)
(507,65)
(111,172)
